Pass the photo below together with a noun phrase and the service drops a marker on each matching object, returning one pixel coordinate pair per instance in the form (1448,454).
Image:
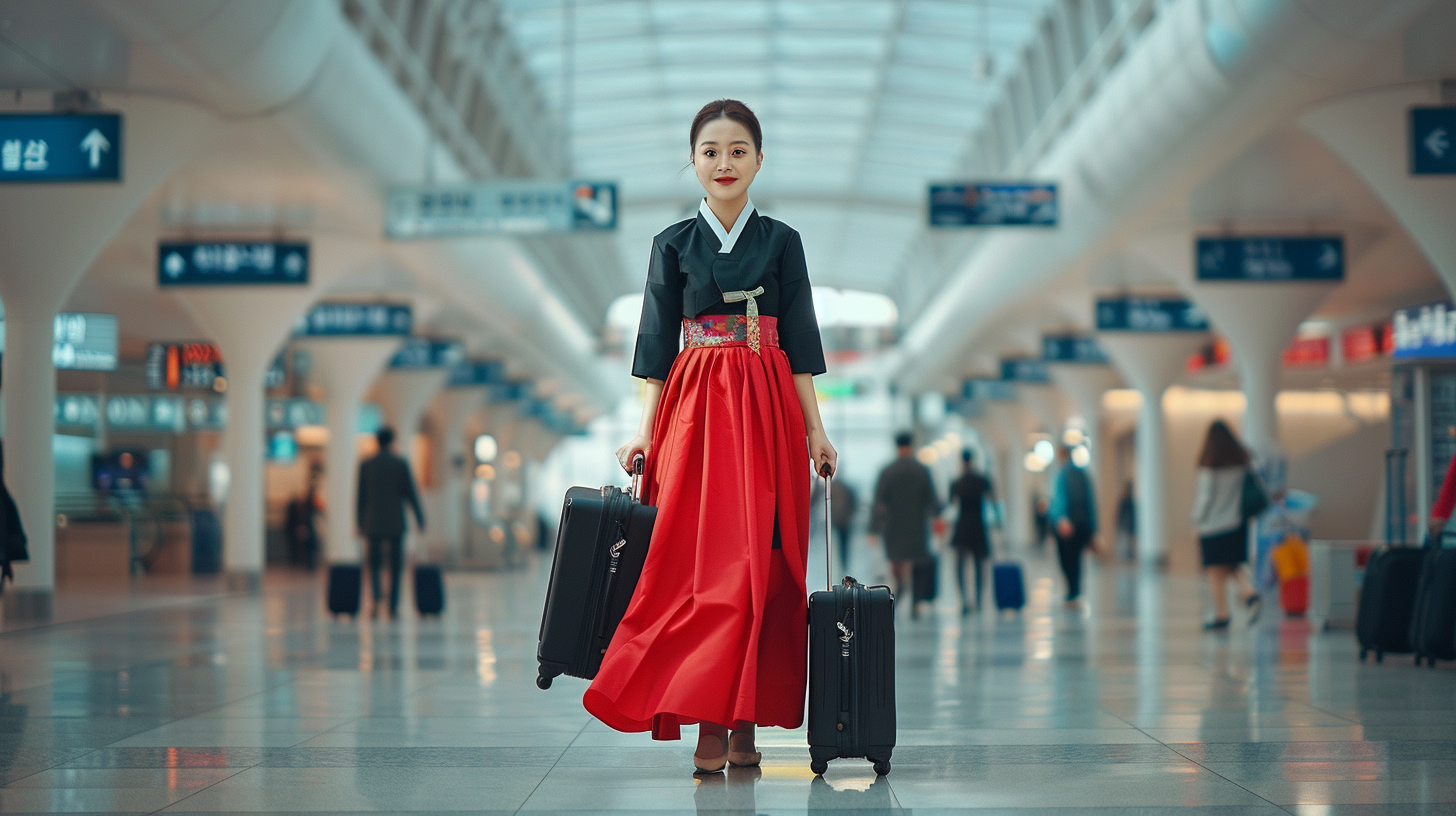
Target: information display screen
(172,366)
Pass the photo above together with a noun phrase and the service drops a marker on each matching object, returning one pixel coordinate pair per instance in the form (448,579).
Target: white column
(404,394)
(454,407)
(49,237)
(1259,319)
(1370,132)
(1151,361)
(1011,419)
(345,366)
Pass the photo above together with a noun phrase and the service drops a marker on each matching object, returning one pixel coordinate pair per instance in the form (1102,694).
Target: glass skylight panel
(870,15)
(801,77)
(804,46)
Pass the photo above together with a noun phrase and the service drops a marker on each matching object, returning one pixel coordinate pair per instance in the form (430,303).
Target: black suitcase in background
(925,579)
(1387,599)
(851,672)
(346,582)
(600,548)
(1433,619)
(429,589)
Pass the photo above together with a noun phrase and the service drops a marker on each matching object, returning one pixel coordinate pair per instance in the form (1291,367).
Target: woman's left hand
(822,453)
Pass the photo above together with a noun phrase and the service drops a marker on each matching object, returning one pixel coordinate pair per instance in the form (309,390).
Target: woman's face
(725,160)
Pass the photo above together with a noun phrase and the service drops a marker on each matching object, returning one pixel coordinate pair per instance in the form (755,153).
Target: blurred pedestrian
(972,491)
(1219,511)
(846,504)
(905,503)
(302,532)
(1073,515)
(1040,508)
(1127,522)
(385,487)
(12,534)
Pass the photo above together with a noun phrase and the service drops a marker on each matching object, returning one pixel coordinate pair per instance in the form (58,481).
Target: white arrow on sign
(1437,143)
(95,144)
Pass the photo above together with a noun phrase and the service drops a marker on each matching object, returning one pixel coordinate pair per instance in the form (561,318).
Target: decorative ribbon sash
(753,330)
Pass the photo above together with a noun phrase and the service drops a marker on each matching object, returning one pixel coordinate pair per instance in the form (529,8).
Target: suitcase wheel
(882,768)
(818,766)
(543,682)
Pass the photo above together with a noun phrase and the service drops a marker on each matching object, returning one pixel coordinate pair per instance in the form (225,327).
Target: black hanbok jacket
(687,277)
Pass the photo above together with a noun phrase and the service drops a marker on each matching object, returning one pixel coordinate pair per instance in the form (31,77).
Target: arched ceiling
(862,102)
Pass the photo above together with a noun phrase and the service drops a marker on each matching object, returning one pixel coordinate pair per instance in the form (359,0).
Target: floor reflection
(729,793)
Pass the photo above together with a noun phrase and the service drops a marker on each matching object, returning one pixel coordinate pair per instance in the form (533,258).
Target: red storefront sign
(1361,344)
(1307,352)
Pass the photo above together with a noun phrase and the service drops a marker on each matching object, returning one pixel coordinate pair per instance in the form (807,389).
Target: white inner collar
(727,237)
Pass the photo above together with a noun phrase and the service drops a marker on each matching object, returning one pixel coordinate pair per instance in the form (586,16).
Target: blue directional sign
(994,390)
(1072,348)
(1150,315)
(970,204)
(1027,370)
(1433,141)
(228,264)
(40,147)
(291,413)
(507,206)
(477,372)
(509,391)
(1304,258)
(1425,332)
(355,320)
(85,341)
(428,352)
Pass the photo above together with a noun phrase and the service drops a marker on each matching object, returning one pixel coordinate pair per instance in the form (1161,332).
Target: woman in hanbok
(716,631)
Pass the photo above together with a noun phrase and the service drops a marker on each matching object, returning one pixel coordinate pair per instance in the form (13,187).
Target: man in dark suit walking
(385,485)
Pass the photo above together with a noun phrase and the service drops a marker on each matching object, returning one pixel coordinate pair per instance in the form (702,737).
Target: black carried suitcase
(429,589)
(1433,618)
(346,582)
(851,671)
(600,548)
(925,579)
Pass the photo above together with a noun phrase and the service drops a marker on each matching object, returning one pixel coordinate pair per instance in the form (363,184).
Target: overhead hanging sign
(1425,331)
(291,413)
(477,372)
(355,320)
(1303,258)
(172,366)
(41,147)
(232,264)
(1026,370)
(509,392)
(142,412)
(992,390)
(428,352)
(1072,348)
(972,204)
(1149,315)
(508,206)
(87,342)
(1433,141)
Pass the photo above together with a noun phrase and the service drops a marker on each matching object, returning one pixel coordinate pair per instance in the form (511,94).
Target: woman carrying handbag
(715,633)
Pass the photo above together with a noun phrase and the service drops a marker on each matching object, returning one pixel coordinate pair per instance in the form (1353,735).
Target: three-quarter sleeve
(798,326)
(660,330)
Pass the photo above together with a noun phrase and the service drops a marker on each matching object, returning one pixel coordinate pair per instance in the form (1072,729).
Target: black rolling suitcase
(429,589)
(1387,599)
(851,671)
(346,582)
(600,548)
(1433,618)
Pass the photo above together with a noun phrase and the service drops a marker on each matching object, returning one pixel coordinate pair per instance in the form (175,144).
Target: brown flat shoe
(739,758)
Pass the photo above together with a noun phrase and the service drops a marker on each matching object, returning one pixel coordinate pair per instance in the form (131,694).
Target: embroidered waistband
(722,330)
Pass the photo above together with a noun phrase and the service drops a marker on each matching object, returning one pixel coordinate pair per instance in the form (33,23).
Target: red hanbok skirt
(716,631)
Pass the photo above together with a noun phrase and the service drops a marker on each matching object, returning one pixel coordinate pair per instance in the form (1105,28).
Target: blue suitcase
(1007,585)
(429,589)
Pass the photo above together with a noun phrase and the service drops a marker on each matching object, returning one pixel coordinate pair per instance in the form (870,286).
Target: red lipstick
(725,180)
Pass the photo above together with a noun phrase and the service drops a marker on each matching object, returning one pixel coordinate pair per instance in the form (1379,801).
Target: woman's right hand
(637,444)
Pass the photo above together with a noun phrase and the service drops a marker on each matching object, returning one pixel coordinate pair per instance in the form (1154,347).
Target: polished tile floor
(263,704)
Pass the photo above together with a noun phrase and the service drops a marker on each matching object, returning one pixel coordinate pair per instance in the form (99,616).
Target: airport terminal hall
(739,407)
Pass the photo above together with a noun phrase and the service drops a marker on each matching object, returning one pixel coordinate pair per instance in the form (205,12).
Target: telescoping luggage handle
(639,464)
(828,474)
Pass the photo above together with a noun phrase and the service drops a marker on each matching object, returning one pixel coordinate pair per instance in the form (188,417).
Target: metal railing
(145,518)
